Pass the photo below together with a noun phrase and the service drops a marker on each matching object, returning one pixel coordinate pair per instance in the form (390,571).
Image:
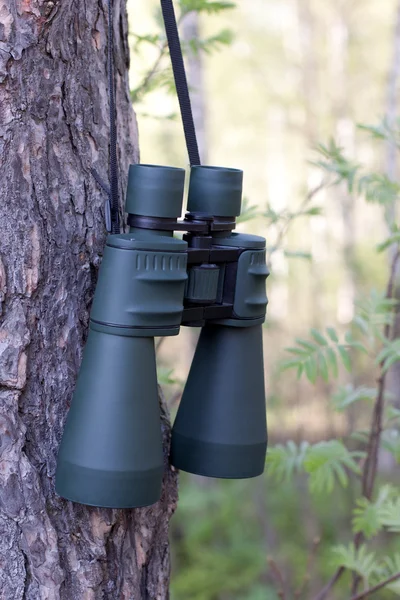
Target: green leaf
(366,518)
(335,163)
(358,560)
(313,211)
(289,364)
(206,6)
(367,515)
(352,343)
(306,344)
(210,44)
(332,361)
(317,356)
(390,515)
(361,435)
(345,357)
(378,188)
(297,254)
(378,132)
(319,338)
(285,461)
(348,395)
(298,351)
(374,312)
(311,369)
(388,566)
(165,376)
(325,462)
(389,355)
(392,239)
(323,367)
(385,130)
(332,334)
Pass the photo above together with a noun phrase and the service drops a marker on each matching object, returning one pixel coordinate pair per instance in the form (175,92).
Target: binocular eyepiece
(150,283)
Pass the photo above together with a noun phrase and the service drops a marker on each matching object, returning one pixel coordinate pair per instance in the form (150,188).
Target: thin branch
(279,578)
(142,87)
(331,583)
(376,588)
(371,463)
(163,50)
(309,569)
(283,230)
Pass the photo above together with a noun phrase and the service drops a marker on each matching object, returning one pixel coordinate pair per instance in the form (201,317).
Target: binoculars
(150,283)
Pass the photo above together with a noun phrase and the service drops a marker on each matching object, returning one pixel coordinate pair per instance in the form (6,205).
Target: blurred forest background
(271,81)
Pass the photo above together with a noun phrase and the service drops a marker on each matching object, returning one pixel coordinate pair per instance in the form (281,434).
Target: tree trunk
(54,127)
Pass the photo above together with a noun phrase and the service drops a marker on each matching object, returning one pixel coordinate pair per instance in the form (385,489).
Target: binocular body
(150,283)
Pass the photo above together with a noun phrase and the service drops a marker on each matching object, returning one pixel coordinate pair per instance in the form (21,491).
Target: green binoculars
(150,283)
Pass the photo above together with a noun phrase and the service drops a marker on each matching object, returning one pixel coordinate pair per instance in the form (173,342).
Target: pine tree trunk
(54,127)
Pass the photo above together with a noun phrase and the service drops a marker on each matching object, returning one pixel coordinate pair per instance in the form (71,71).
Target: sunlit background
(270,81)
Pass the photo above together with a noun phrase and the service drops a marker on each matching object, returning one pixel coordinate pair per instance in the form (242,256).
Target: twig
(376,588)
(310,562)
(279,578)
(283,230)
(142,88)
(371,463)
(163,49)
(325,591)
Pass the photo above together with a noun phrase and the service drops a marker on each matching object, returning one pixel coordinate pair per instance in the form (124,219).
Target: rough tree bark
(53,128)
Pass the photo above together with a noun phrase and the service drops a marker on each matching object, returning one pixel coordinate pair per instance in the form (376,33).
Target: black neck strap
(178,67)
(114,204)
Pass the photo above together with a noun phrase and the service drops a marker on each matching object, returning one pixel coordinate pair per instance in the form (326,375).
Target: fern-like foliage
(210,44)
(319,355)
(367,515)
(359,560)
(390,515)
(394,238)
(389,355)
(347,395)
(327,462)
(388,566)
(383,131)
(334,162)
(367,565)
(377,187)
(285,461)
(204,6)
(373,313)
